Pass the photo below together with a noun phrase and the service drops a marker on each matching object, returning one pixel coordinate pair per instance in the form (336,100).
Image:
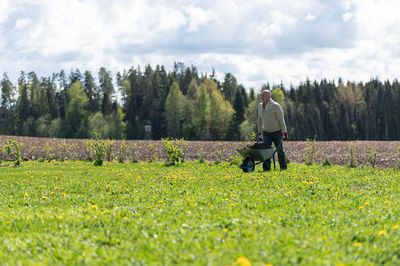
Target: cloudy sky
(258,41)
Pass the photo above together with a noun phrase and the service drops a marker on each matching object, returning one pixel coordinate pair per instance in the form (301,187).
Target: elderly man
(271,123)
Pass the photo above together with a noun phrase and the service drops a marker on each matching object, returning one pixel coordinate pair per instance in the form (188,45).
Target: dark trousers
(276,136)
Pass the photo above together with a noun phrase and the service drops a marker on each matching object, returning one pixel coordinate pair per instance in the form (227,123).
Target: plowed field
(335,151)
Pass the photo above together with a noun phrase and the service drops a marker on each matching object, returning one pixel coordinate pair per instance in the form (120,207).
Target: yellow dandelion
(243,261)
(55,188)
(64,194)
(382,232)
(52,193)
(108,186)
(211,189)
(361,207)
(395,227)
(125,218)
(387,202)
(94,207)
(357,244)
(366,204)
(60,217)
(289,193)
(225,230)
(277,187)
(160,201)
(44,198)
(26,195)
(8,222)
(188,212)
(115,207)
(233,204)
(148,207)
(268,264)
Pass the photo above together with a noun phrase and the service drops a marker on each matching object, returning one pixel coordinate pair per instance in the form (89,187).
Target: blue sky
(258,41)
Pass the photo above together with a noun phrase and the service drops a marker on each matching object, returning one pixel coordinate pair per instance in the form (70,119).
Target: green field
(197,213)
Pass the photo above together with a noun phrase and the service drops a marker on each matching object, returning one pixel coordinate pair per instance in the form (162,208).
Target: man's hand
(286,135)
(259,134)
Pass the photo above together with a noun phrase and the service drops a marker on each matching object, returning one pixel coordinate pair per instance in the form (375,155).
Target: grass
(197,213)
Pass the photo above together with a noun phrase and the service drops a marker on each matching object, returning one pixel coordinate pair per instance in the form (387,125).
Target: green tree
(202,113)
(220,117)
(174,111)
(23,106)
(7,106)
(92,93)
(75,114)
(107,90)
(229,87)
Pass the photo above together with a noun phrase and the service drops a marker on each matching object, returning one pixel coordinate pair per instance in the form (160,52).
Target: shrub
(33,151)
(132,151)
(200,155)
(48,152)
(311,152)
(153,153)
(64,150)
(174,152)
(326,162)
(109,146)
(122,152)
(88,150)
(1,153)
(236,159)
(99,148)
(219,153)
(352,156)
(371,156)
(12,148)
(73,148)
(22,151)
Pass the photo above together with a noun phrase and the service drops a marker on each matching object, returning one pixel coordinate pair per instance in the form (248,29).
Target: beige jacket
(271,118)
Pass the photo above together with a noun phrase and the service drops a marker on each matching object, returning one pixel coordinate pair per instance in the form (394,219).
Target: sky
(258,41)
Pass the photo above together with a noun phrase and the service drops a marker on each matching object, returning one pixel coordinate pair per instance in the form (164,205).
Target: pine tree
(107,91)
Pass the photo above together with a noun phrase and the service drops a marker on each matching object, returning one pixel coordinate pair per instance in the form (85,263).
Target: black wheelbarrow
(256,154)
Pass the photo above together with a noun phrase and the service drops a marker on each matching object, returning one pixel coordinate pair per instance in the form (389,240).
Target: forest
(183,103)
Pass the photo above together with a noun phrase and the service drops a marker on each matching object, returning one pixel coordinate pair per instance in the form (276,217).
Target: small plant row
(311,152)
(99,150)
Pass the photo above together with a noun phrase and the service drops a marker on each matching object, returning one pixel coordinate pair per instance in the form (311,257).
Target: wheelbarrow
(256,154)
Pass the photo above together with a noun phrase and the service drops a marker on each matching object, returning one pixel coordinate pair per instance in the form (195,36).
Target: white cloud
(347,16)
(309,17)
(279,23)
(198,17)
(22,23)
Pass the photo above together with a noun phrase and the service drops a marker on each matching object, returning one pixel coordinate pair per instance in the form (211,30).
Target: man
(271,123)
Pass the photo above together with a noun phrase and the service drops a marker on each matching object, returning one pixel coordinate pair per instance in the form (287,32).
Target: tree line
(183,103)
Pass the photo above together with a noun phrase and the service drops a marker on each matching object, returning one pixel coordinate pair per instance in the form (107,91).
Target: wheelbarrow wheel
(248,165)
(266,166)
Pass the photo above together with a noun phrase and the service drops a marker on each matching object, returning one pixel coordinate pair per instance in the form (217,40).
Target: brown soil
(335,151)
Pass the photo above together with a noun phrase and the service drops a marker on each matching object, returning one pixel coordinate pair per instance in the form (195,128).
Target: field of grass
(197,213)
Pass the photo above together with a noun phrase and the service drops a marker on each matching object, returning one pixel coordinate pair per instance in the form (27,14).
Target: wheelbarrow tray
(257,154)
